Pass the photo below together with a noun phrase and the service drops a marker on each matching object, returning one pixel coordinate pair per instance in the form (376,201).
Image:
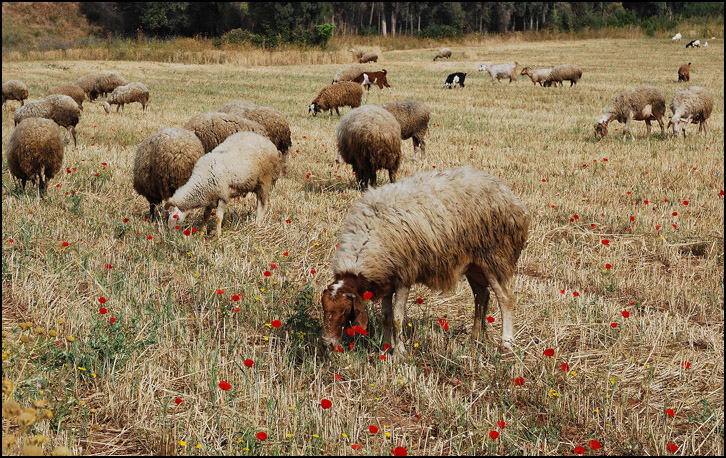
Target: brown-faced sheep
(71,90)
(368,57)
(684,72)
(430,228)
(541,76)
(163,163)
(58,107)
(35,152)
(336,96)
(694,105)
(14,90)
(500,71)
(245,162)
(413,117)
(349,73)
(641,104)
(105,84)
(566,72)
(443,53)
(129,93)
(369,139)
(213,128)
(88,83)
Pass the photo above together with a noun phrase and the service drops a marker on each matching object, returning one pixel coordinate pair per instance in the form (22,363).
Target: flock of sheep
(430,228)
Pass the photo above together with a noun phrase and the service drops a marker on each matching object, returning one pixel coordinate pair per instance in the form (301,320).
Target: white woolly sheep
(500,71)
(129,93)
(349,73)
(694,105)
(641,104)
(443,53)
(413,117)
(541,76)
(245,162)
(105,84)
(14,90)
(35,152)
(336,96)
(277,130)
(71,90)
(431,228)
(566,72)
(369,139)
(212,128)
(163,163)
(88,84)
(677,37)
(58,107)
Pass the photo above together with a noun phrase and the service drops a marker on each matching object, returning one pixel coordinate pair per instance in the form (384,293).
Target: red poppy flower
(149,237)
(594,444)
(494,434)
(248,363)
(576,294)
(549,352)
(383,357)
(262,436)
(339,349)
(501,424)
(565,367)
(276,323)
(360,330)
(103,310)
(267,273)
(355,447)
(519,381)
(579,449)
(675,213)
(673,448)
(126,220)
(178,401)
(273,266)
(194,230)
(312,271)
(338,376)
(373,429)
(606,242)
(670,412)
(367,295)
(685,202)
(625,314)
(686,365)
(64,244)
(235,297)
(350,332)
(608,266)
(237,309)
(285,253)
(225,386)
(386,347)
(490,319)
(288,221)
(220,291)
(632,218)
(562,291)
(613,325)
(326,404)
(419,300)
(109,266)
(399,451)
(351,345)
(102,300)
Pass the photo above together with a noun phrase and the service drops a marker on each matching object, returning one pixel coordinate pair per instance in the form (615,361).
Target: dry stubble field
(150,382)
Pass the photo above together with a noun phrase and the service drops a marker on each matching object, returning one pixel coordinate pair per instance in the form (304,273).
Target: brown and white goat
(369,78)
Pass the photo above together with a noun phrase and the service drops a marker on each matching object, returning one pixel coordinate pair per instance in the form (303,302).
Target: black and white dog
(454,79)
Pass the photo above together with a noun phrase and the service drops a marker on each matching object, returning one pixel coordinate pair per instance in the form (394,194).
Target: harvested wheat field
(140,339)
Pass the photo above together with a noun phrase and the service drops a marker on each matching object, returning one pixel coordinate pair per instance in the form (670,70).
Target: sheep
(105,84)
(88,83)
(500,71)
(684,72)
(277,129)
(129,93)
(336,96)
(430,228)
(244,162)
(566,72)
(14,90)
(542,76)
(237,106)
(694,105)
(641,104)
(413,117)
(444,52)
(35,151)
(58,107)
(368,57)
(455,78)
(71,90)
(349,73)
(676,37)
(163,163)
(369,78)
(694,44)
(356,54)
(212,128)
(369,139)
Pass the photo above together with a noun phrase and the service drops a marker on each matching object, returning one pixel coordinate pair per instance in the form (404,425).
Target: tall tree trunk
(370,18)
(393,22)
(419,22)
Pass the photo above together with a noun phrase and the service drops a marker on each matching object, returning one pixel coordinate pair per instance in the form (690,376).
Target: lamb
(368,57)
(500,71)
(641,104)
(676,37)
(694,105)
(58,107)
(444,52)
(212,128)
(413,117)
(566,72)
(244,162)
(129,93)
(455,78)
(542,76)
(349,73)
(431,228)
(88,83)
(369,139)
(71,90)
(35,152)
(163,163)
(369,78)
(694,44)
(14,90)
(105,84)
(684,72)
(336,96)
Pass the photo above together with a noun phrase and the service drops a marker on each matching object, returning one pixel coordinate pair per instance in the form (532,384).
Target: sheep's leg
(399,316)
(702,127)
(205,219)
(627,130)
(416,148)
(219,216)
(392,176)
(662,127)
(387,322)
(506,306)
(73,133)
(647,126)
(479,286)
(262,198)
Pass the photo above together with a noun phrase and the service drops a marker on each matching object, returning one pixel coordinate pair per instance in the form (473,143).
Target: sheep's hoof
(506,347)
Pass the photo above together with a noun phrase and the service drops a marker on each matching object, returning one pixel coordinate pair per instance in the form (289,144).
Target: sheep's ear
(360,315)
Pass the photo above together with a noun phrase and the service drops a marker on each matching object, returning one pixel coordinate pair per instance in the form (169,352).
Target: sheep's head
(107,107)
(175,217)
(678,124)
(482,67)
(526,71)
(314,108)
(601,127)
(341,306)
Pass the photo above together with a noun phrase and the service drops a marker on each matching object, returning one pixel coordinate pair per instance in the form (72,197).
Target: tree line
(314,23)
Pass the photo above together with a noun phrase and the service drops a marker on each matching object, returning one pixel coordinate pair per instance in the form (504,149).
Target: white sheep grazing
(244,162)
(640,104)
(500,71)
(694,105)
(676,37)
(430,228)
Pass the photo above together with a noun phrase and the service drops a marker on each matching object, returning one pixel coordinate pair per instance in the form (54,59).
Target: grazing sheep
(694,44)
(369,139)
(105,84)
(368,57)
(336,96)
(500,71)
(369,78)
(356,54)
(212,128)
(684,72)
(349,73)
(88,83)
(71,90)
(676,37)
(455,78)
(237,106)
(413,117)
(694,105)
(641,104)
(444,52)
(277,130)
(163,163)
(542,76)
(35,151)
(14,90)
(130,93)
(244,162)
(431,228)
(566,72)
(58,107)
